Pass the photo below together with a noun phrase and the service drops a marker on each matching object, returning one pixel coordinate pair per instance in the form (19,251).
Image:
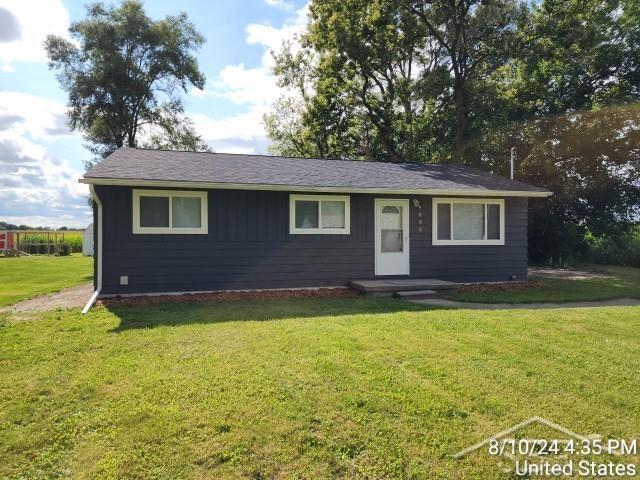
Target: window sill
(170,231)
(319,232)
(468,242)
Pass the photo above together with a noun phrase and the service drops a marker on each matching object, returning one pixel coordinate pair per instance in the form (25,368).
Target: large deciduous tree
(393,80)
(476,37)
(123,73)
(364,74)
(571,94)
(466,80)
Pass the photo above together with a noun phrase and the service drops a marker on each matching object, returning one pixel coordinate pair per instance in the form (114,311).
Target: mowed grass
(303,388)
(624,282)
(26,277)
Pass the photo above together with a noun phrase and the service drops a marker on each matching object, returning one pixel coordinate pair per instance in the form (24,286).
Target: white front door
(392,237)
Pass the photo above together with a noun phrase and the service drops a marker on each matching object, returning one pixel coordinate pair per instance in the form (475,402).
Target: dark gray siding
(249,246)
(482,263)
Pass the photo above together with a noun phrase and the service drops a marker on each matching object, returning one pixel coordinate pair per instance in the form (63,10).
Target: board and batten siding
(248,246)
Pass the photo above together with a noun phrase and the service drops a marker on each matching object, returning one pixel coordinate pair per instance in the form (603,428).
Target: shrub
(64,249)
(624,250)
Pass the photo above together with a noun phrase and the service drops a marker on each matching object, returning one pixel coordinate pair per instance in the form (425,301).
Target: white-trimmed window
(169,211)
(312,214)
(468,221)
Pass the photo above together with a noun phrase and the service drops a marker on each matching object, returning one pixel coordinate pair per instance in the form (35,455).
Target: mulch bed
(225,296)
(500,287)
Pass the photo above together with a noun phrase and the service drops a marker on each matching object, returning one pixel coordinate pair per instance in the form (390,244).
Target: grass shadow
(178,314)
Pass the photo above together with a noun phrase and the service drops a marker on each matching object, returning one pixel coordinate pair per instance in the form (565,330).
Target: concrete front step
(416,294)
(403,285)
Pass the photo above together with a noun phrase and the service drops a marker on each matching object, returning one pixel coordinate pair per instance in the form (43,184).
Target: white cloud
(243,86)
(26,25)
(41,186)
(25,114)
(243,126)
(37,188)
(240,133)
(283,4)
(272,37)
(253,88)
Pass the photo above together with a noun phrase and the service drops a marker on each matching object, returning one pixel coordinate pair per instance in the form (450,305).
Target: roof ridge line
(333,159)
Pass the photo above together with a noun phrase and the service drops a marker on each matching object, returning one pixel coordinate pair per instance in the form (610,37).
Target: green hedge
(624,251)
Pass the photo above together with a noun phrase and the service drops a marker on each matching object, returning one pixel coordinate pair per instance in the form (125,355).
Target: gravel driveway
(68,298)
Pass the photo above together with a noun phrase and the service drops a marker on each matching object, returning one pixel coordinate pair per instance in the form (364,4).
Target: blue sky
(41,160)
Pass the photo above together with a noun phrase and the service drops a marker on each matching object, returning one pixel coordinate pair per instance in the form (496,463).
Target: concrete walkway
(440,302)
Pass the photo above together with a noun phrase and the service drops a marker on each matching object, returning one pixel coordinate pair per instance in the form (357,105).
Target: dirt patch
(223,296)
(73,297)
(500,287)
(566,274)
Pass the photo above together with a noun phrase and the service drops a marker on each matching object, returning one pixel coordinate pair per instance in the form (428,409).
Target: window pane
(186,212)
(391,217)
(154,211)
(332,214)
(468,221)
(444,221)
(392,240)
(493,222)
(391,229)
(306,214)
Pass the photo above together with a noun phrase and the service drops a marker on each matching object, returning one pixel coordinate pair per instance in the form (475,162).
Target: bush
(624,250)
(64,249)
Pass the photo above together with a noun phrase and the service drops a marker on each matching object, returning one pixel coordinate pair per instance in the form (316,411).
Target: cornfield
(35,243)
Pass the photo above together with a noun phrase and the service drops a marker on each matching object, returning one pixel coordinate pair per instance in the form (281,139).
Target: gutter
(97,253)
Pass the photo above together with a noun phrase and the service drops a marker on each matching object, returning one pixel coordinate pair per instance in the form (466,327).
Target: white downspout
(97,253)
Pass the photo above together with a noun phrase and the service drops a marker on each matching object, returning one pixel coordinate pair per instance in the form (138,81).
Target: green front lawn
(304,388)
(26,277)
(625,283)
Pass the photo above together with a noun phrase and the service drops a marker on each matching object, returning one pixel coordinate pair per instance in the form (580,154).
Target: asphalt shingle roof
(223,168)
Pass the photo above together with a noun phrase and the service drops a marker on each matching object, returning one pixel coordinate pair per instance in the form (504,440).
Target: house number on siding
(416,203)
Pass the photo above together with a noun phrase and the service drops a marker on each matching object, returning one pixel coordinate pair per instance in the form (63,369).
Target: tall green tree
(557,79)
(391,79)
(364,76)
(124,72)
(476,37)
(571,97)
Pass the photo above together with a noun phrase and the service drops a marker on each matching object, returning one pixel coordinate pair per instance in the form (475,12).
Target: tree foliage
(571,94)
(391,79)
(124,71)
(175,131)
(464,81)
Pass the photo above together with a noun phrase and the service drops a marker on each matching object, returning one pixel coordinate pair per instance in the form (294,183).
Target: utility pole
(513,160)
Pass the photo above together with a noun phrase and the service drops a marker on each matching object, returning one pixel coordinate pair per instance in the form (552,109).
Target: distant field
(72,237)
(25,277)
